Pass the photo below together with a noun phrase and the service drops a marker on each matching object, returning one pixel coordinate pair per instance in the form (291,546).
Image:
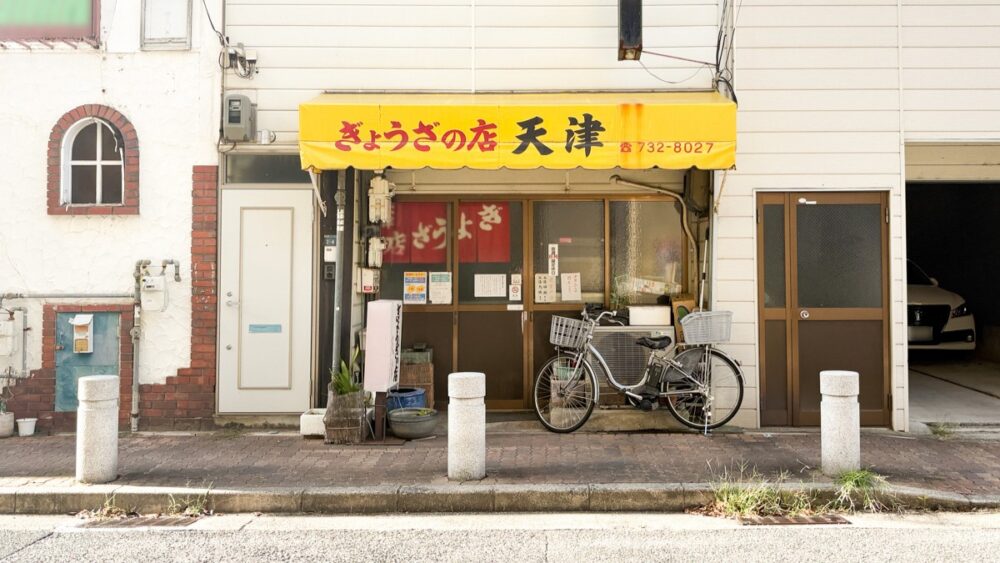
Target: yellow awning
(487,131)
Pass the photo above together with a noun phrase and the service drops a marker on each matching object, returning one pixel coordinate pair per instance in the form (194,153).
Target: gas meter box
(153,293)
(83,334)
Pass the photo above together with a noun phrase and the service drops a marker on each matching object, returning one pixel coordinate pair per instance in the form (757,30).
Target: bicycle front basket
(707,327)
(567,333)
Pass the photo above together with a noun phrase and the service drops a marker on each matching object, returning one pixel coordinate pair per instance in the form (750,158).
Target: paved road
(523,538)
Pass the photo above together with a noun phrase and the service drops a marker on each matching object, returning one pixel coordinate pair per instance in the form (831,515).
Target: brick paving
(252,460)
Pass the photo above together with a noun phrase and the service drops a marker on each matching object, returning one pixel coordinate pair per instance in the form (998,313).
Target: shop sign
(597,131)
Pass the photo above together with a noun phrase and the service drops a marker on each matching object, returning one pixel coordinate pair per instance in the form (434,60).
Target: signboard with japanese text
(672,130)
(419,233)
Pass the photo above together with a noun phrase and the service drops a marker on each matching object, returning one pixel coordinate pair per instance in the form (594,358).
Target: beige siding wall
(819,110)
(951,70)
(308,46)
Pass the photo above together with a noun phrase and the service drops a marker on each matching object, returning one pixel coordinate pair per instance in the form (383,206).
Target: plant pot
(6,424)
(344,420)
(26,426)
(411,424)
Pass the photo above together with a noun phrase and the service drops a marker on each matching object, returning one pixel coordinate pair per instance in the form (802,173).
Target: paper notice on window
(440,288)
(571,287)
(515,292)
(491,285)
(545,288)
(515,279)
(553,259)
(414,288)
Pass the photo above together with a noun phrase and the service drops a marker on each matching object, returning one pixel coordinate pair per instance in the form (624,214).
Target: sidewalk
(279,465)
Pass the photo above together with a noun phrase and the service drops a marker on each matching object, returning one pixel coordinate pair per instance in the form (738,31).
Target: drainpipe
(340,197)
(136,332)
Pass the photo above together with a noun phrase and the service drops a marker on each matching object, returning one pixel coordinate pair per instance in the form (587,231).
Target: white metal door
(265,283)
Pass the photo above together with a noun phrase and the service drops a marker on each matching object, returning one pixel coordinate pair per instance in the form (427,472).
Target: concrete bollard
(466,426)
(97,429)
(840,422)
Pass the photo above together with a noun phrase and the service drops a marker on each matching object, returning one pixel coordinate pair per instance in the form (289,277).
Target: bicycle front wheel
(710,386)
(564,393)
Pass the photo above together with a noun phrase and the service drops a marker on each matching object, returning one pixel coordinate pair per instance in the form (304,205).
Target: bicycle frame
(589,350)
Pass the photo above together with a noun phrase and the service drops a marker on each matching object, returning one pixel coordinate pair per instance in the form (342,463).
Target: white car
(936,319)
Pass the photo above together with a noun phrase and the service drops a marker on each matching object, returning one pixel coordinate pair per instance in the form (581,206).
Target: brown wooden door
(823,301)
(491,327)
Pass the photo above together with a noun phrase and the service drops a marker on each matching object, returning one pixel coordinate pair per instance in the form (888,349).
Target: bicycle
(701,386)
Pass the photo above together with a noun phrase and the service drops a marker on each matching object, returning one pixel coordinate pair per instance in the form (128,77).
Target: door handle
(231,303)
(804,314)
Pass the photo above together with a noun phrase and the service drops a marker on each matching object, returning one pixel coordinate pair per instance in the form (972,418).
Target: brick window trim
(130,195)
(36,396)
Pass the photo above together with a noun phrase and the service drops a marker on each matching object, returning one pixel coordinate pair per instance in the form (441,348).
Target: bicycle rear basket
(707,327)
(567,333)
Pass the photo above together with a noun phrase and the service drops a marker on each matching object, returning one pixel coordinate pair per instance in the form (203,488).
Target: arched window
(93,164)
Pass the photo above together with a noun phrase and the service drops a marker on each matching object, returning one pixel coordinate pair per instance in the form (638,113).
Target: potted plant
(6,418)
(345,407)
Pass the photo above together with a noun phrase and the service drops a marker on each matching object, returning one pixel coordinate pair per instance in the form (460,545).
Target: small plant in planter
(345,407)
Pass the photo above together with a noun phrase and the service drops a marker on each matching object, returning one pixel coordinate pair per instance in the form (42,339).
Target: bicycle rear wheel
(721,379)
(564,394)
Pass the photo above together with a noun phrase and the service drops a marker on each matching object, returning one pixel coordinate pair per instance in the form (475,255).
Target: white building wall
(458,45)
(819,109)
(171,97)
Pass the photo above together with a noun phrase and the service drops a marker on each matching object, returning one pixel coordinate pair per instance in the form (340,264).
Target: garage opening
(953,312)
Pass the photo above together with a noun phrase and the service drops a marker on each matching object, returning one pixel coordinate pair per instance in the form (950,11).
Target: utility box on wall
(383,344)
(239,119)
(83,334)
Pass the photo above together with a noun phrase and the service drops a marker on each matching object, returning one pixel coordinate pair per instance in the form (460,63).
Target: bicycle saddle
(654,342)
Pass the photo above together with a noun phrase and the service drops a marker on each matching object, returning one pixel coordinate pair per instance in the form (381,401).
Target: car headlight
(960,311)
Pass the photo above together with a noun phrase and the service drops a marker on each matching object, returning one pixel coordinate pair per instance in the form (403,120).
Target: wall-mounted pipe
(616,179)
(177,268)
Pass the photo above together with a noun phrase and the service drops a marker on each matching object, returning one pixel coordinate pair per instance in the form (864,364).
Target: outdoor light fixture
(629,30)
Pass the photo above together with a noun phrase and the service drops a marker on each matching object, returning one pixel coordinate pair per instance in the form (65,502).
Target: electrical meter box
(383,344)
(83,334)
(239,119)
(8,341)
(153,293)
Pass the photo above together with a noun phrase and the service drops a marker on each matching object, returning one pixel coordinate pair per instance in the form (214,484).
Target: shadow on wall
(952,233)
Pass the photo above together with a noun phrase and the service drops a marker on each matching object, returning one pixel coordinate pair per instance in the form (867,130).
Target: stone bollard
(97,429)
(466,426)
(840,422)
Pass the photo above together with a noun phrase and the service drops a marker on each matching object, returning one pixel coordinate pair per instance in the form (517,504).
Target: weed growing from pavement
(188,505)
(943,430)
(109,510)
(860,489)
(743,491)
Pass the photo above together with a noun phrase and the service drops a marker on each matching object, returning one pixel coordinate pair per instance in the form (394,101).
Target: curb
(455,498)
